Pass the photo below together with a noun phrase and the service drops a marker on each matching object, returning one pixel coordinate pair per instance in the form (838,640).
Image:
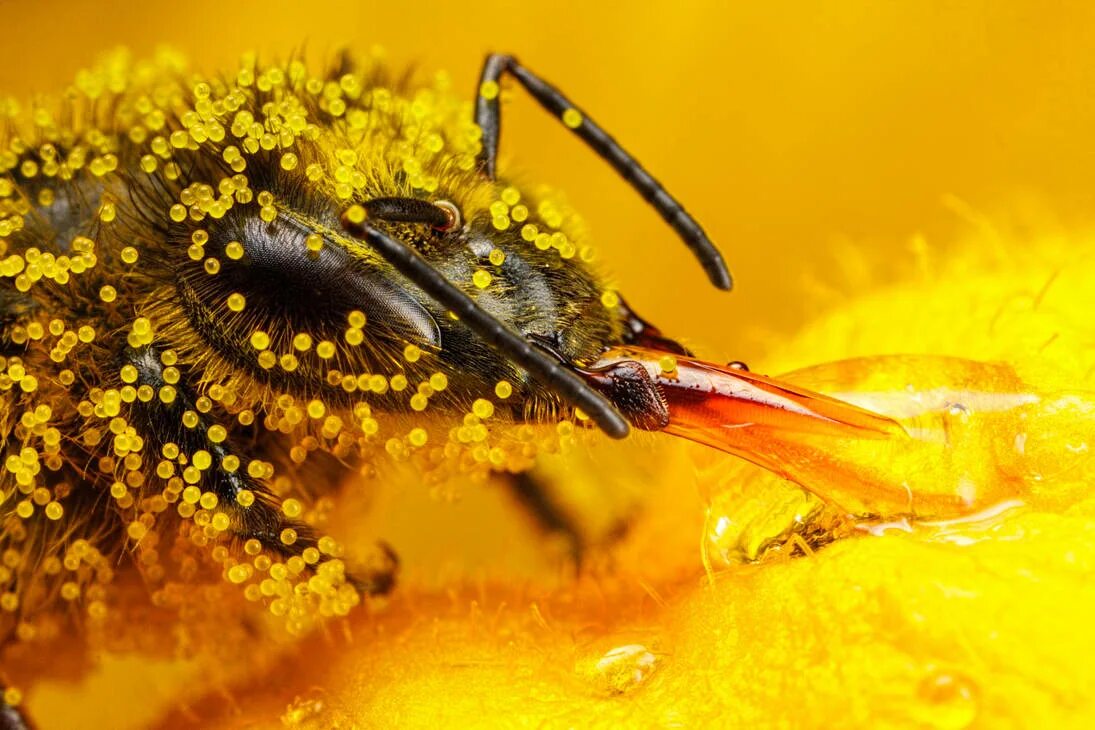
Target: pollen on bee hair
(189,340)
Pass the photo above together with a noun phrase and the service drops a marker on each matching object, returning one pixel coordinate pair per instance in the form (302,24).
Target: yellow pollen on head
(260,340)
(108,293)
(356,214)
(326,349)
(236,302)
(503,389)
(481,278)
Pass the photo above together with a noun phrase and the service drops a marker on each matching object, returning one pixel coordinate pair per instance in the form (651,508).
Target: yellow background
(786,127)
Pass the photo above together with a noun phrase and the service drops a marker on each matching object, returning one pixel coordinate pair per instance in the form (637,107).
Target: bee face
(292,302)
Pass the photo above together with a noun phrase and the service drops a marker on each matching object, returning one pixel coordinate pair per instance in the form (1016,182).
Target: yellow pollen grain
(503,389)
(108,293)
(489,90)
(292,508)
(417,436)
(610,299)
(572,118)
(356,214)
(481,278)
(260,340)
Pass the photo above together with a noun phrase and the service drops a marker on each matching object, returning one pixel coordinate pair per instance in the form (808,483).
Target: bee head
(346,241)
(284,298)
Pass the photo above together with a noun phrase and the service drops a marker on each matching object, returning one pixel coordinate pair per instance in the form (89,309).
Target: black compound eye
(285,279)
(295,275)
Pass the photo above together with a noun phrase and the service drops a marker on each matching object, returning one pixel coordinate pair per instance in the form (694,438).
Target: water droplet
(951,700)
(622,669)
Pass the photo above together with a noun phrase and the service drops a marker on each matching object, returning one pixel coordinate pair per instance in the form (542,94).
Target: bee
(216,292)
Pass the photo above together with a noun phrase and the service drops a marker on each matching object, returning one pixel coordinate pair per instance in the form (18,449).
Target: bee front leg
(255,512)
(12,718)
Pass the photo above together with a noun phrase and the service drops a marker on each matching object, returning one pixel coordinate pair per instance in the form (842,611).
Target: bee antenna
(488,117)
(412,210)
(496,334)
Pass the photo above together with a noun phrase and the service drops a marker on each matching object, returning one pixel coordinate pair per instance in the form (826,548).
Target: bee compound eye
(452,213)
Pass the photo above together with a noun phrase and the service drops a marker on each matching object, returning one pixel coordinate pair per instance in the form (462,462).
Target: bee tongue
(823,444)
(709,403)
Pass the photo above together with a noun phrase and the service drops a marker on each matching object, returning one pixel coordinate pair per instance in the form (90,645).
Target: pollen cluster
(185,362)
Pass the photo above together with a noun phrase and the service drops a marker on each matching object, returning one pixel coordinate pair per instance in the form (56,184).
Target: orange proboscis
(918,436)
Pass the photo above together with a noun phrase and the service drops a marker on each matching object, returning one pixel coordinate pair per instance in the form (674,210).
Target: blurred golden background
(791,130)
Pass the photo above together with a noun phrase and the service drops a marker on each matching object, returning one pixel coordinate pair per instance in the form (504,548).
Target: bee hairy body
(193,344)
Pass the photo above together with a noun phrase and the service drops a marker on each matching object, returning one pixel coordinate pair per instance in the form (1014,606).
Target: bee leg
(261,518)
(533,494)
(12,718)
(488,117)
